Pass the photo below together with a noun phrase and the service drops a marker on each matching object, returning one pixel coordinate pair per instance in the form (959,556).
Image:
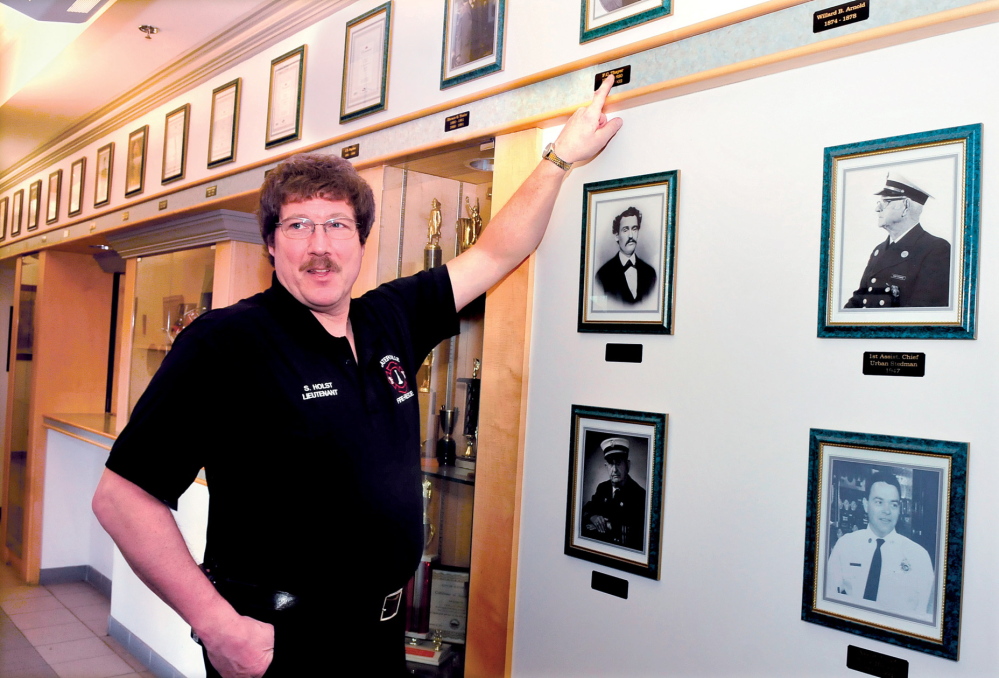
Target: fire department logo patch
(396,377)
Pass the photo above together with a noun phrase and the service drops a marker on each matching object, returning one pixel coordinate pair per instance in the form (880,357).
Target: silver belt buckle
(390,607)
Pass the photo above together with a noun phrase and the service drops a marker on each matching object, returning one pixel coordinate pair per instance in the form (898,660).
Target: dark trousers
(324,641)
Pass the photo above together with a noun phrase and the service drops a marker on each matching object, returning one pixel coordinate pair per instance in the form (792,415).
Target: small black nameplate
(623,353)
(841,15)
(875,663)
(608,584)
(352,151)
(457,121)
(895,364)
(622,76)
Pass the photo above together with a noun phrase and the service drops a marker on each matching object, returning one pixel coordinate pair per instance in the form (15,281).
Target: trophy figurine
(418,589)
(446,447)
(432,252)
(471,428)
(469,227)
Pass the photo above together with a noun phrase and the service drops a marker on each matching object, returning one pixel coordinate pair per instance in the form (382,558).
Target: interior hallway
(58,631)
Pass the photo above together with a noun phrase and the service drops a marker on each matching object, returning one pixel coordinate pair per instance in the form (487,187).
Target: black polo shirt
(312,459)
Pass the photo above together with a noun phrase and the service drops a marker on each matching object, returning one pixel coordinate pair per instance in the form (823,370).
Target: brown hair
(314,175)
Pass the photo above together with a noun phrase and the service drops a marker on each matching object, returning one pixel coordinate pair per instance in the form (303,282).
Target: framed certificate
(224,124)
(366,63)
(135,165)
(77,172)
(34,204)
(284,99)
(17,208)
(175,144)
(4,209)
(102,186)
(52,199)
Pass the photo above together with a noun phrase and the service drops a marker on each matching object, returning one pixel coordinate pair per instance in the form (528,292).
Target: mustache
(630,240)
(320,262)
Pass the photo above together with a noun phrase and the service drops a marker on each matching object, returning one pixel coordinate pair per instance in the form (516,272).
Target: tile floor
(58,631)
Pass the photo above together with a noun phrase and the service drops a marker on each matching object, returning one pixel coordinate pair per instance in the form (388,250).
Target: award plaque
(449,604)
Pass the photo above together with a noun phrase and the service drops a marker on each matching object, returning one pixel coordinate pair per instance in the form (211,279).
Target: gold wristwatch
(549,154)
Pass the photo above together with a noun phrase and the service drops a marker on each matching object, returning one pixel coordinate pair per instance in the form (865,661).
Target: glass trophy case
(432,210)
(171,290)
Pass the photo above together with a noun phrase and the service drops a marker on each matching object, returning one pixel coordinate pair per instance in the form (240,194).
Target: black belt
(248,597)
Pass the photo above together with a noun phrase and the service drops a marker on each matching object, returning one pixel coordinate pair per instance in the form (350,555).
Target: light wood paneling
(241,270)
(496,530)
(72,319)
(123,370)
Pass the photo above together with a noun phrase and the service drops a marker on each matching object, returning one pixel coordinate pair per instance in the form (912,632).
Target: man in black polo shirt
(298,402)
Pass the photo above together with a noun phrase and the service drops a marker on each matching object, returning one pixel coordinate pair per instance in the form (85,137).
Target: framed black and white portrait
(473,40)
(628,252)
(604,17)
(900,222)
(615,498)
(884,538)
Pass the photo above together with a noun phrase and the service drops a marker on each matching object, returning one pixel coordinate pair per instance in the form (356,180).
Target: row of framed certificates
(899,242)
(884,524)
(472,47)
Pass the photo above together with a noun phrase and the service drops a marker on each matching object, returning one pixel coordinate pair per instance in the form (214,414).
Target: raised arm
(516,231)
(147,534)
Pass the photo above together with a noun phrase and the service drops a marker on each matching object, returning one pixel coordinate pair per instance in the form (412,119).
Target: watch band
(549,154)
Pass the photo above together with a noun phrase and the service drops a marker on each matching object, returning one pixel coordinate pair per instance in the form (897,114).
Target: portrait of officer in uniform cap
(625,277)
(911,268)
(616,512)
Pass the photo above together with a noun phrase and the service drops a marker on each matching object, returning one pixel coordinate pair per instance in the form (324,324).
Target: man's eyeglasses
(300,228)
(881,204)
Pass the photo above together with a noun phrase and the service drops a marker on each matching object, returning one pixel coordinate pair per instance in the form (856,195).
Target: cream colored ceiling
(58,83)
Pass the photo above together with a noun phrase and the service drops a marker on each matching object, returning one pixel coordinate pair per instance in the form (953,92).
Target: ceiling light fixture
(150,31)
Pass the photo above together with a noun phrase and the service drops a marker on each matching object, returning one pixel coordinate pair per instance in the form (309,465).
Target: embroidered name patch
(322,390)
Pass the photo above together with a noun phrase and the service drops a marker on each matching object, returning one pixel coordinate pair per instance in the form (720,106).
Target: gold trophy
(432,252)
(470,227)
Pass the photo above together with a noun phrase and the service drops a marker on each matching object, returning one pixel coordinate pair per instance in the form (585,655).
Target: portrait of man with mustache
(626,277)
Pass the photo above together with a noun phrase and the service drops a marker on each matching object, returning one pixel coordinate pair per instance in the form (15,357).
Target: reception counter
(75,547)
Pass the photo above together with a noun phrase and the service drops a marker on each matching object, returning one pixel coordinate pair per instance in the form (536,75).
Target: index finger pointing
(600,96)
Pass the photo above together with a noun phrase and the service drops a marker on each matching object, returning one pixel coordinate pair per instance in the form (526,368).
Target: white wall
(147,617)
(71,535)
(744,378)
